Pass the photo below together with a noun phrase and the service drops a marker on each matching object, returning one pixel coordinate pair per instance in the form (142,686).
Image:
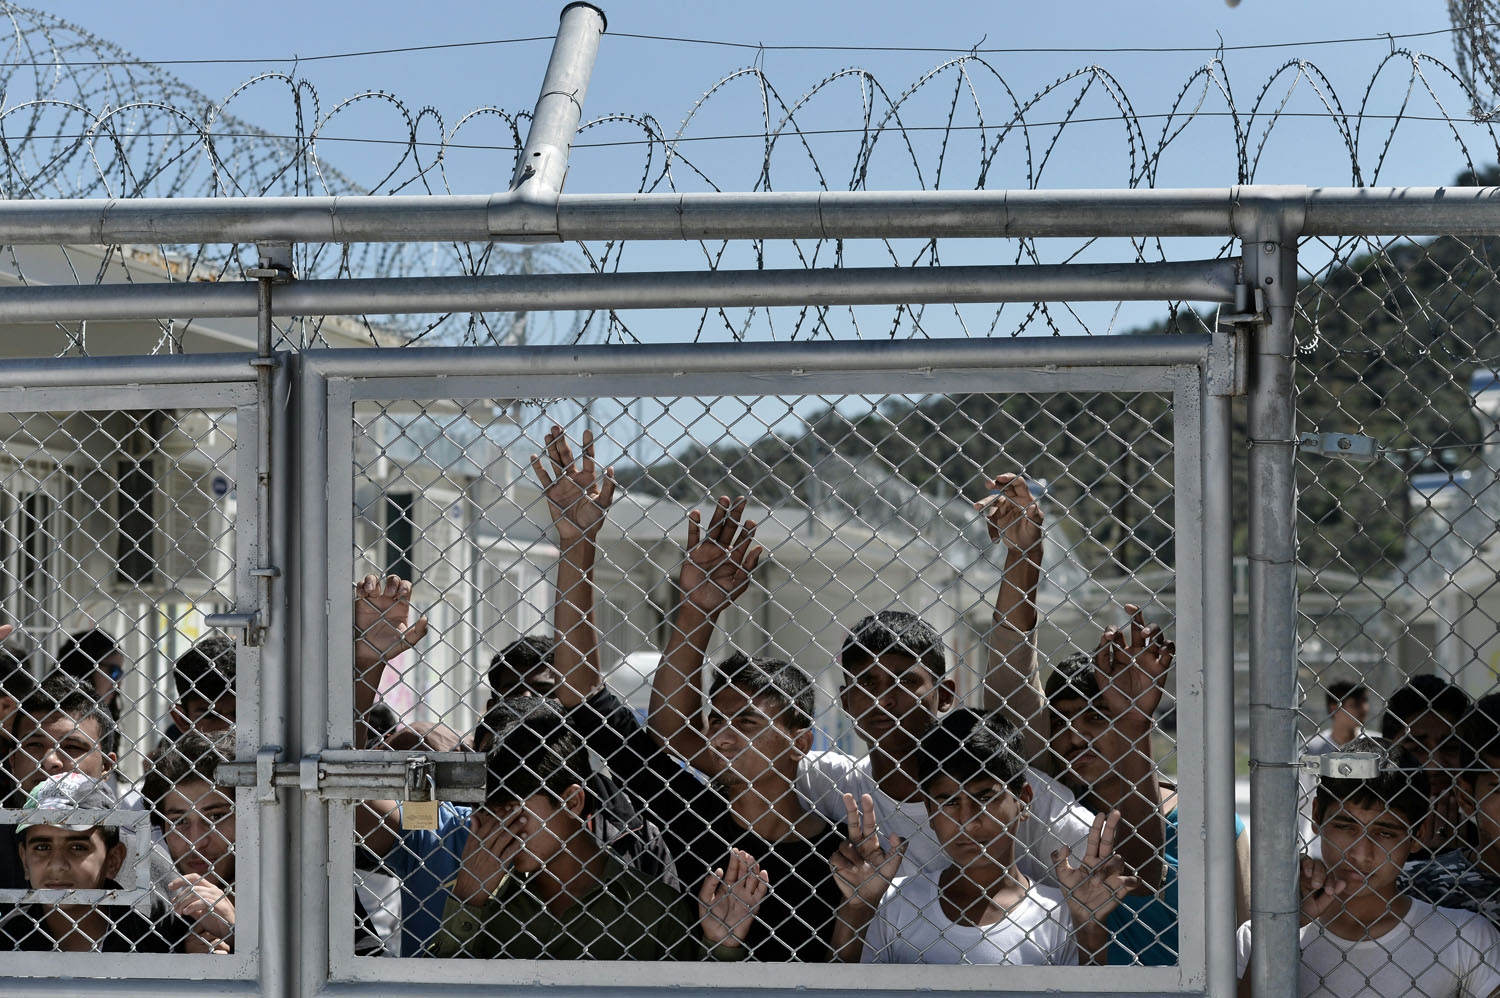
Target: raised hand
(862,868)
(1130,669)
(1013,516)
(577,496)
(1094,889)
(719,559)
(382,630)
(730,898)
(1320,894)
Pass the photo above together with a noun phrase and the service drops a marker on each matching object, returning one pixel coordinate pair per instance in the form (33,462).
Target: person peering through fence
(758,726)
(62,854)
(538,884)
(1362,934)
(980,908)
(1469,877)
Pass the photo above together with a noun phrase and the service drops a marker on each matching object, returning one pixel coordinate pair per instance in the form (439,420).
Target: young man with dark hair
(204,678)
(1361,934)
(523,668)
(896,686)
(1469,877)
(980,909)
(59,727)
(758,726)
(1348,706)
(1090,746)
(94,658)
(63,855)
(541,887)
(1422,718)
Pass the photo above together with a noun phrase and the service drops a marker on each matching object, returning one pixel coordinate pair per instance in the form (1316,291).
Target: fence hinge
(1349,446)
(347,774)
(1249,308)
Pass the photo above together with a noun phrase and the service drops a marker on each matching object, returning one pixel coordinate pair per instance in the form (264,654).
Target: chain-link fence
(811,655)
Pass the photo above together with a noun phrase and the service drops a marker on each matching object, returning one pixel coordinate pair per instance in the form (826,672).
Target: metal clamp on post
(1343,765)
(1349,446)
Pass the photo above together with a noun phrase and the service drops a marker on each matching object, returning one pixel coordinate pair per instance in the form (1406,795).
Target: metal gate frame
(226,382)
(1201,373)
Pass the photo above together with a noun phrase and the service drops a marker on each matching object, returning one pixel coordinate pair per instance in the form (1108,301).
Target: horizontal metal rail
(764,215)
(110,371)
(676,359)
(1198,281)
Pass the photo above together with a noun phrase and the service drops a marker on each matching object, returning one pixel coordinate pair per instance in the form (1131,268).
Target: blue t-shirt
(426,864)
(1143,929)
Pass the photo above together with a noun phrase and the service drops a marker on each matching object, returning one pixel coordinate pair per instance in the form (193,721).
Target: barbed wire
(82,118)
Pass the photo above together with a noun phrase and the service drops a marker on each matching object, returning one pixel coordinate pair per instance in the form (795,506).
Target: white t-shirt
(1431,953)
(910,927)
(1056,818)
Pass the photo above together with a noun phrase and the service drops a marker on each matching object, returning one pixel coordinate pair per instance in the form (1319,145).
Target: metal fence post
(1268,226)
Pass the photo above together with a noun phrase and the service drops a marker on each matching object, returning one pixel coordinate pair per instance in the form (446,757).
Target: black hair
(1479,741)
(894,632)
(1344,690)
(1401,784)
(16,680)
(966,745)
(1417,697)
(1073,679)
(504,714)
(80,655)
(790,688)
(380,720)
(536,754)
(518,660)
(206,670)
(60,693)
(194,756)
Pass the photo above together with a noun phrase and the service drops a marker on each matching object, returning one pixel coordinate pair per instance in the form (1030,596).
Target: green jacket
(628,917)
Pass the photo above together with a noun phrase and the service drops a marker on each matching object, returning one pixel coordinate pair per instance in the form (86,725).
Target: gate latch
(248,624)
(1343,765)
(1349,446)
(349,775)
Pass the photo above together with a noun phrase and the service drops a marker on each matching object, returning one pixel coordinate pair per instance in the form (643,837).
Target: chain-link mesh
(117,540)
(1395,353)
(857,614)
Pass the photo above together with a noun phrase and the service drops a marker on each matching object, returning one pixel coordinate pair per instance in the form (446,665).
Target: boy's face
(976,822)
(746,739)
(198,829)
(1365,846)
(1354,711)
(893,699)
(58,858)
(1083,741)
(59,744)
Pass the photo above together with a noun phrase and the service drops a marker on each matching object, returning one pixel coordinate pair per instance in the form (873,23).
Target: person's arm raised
(382,630)
(578,499)
(716,569)
(1011,683)
(1130,671)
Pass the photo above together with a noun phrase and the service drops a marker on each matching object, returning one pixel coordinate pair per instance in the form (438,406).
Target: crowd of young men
(1035,830)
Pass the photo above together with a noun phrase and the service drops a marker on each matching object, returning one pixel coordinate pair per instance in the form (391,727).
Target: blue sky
(665,78)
